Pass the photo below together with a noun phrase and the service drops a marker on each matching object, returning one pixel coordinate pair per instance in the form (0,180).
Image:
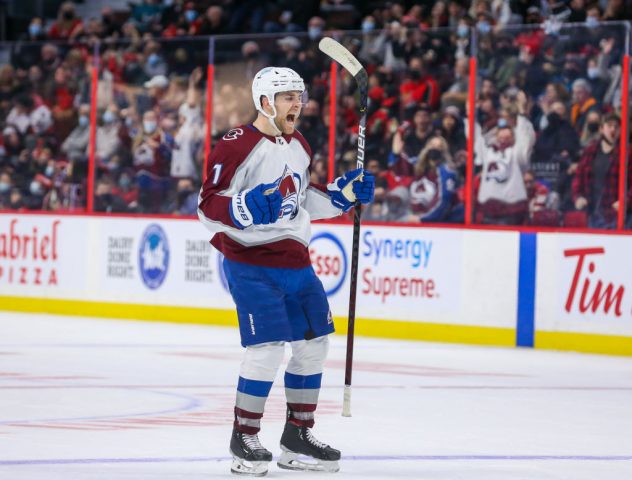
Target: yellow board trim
(432,332)
(584,342)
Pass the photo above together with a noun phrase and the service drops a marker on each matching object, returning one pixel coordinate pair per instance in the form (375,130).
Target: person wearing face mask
(38,187)
(105,200)
(214,22)
(502,198)
(596,182)
(583,102)
(68,26)
(590,132)
(433,191)
(76,144)
(151,159)
(555,153)
(315,28)
(108,137)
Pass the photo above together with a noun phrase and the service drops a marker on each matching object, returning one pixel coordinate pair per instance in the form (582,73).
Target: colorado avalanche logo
(290,187)
(498,171)
(424,192)
(233,134)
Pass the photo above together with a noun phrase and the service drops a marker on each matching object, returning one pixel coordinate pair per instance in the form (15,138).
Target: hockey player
(258,202)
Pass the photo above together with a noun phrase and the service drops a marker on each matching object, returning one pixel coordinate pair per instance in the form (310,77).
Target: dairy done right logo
(153,256)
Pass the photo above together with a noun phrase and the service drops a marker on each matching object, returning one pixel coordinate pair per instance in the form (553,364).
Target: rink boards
(507,288)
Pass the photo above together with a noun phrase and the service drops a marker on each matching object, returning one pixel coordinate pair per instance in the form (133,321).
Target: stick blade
(340,54)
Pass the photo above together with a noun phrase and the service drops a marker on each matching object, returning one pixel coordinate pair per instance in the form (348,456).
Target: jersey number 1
(217,169)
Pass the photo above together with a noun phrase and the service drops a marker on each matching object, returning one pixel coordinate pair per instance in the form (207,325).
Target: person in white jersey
(258,202)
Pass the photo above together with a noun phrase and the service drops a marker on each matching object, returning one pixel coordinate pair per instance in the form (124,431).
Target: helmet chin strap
(271,118)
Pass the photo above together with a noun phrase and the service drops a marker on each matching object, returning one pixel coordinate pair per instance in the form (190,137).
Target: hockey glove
(355,185)
(259,206)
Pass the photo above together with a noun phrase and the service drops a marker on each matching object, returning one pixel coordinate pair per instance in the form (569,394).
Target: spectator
(397,205)
(28,116)
(555,153)
(311,127)
(156,90)
(127,189)
(151,159)
(186,200)
(187,138)
(315,27)
(155,64)
(37,189)
(590,132)
(420,86)
(410,138)
(543,203)
(583,102)
(105,200)
(68,26)
(450,126)
(502,198)
(108,139)
(596,182)
(433,191)
(16,200)
(6,184)
(76,144)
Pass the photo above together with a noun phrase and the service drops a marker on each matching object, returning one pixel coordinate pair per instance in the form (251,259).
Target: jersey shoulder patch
(237,143)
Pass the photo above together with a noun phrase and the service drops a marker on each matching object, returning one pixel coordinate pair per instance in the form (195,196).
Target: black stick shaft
(355,250)
(353,293)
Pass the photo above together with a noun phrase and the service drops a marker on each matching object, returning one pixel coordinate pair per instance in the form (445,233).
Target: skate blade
(291,461)
(244,467)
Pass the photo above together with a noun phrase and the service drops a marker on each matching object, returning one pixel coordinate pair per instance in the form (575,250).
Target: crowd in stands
(547,106)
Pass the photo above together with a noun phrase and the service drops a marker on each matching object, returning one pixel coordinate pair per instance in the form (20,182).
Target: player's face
(288,106)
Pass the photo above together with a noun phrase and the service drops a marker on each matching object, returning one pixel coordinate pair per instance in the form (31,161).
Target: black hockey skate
(297,441)
(249,456)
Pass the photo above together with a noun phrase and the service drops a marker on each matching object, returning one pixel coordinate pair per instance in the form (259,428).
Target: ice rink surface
(88,399)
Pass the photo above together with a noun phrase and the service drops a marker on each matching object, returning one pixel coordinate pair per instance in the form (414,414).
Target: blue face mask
(108,116)
(314,32)
(84,121)
(593,72)
(125,182)
(462,31)
(190,15)
(592,22)
(368,27)
(35,29)
(153,59)
(484,27)
(35,188)
(4,187)
(149,126)
(50,169)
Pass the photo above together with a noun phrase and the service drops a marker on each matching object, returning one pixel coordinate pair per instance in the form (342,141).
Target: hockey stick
(340,54)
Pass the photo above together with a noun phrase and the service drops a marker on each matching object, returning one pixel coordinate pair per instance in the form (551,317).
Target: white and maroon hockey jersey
(243,159)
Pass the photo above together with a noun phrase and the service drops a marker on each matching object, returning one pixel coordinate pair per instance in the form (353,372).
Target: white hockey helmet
(272,80)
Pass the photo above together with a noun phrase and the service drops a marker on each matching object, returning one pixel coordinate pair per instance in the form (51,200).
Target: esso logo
(329,260)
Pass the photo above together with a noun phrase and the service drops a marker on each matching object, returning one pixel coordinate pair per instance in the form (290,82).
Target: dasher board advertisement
(584,284)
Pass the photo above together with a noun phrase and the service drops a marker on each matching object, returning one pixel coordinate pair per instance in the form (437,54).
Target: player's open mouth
(290,118)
